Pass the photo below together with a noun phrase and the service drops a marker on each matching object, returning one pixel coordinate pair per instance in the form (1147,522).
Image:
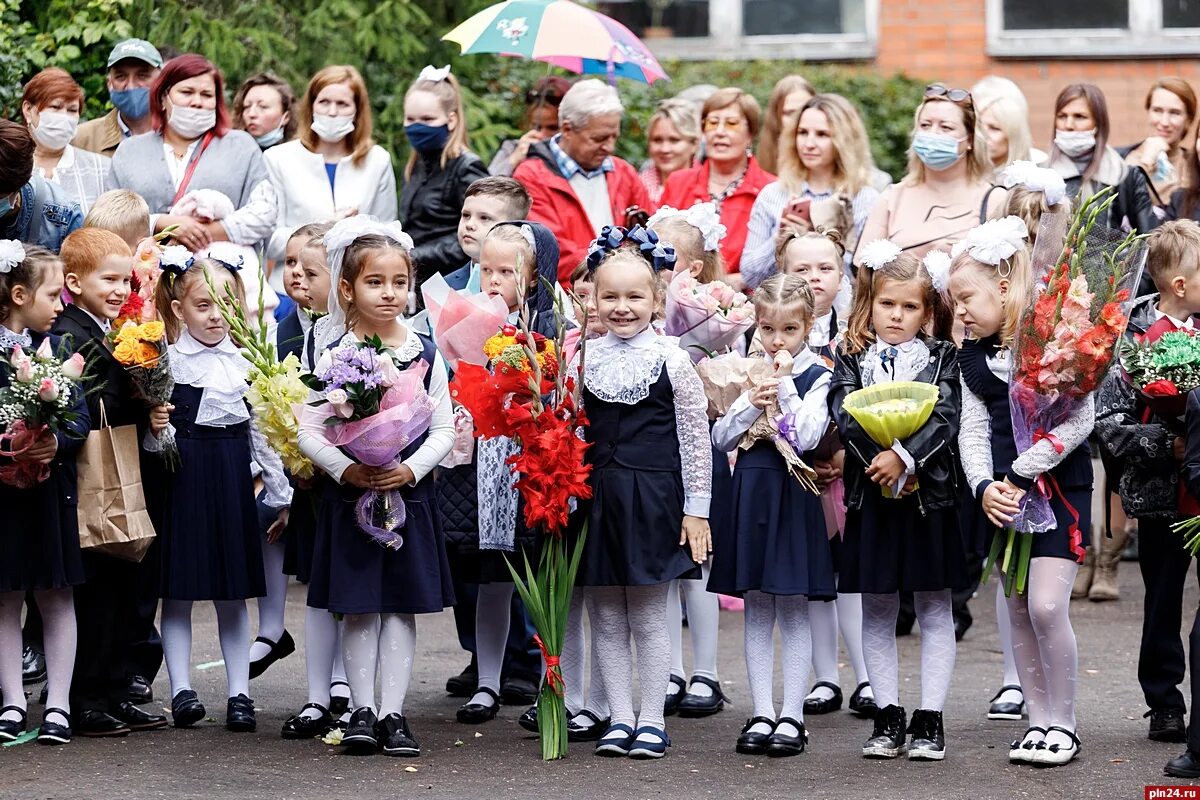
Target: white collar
(189,345)
(821,333)
(306,322)
(10,339)
(125,129)
(1188,324)
(220,371)
(623,370)
(800,362)
(105,325)
(903,347)
(647,339)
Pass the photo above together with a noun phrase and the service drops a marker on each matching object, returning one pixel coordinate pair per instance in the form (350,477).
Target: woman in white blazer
(333,169)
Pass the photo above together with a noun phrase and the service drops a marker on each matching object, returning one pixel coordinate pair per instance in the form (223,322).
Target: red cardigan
(556,205)
(686,187)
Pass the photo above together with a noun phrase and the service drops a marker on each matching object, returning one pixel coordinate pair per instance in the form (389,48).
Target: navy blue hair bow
(229,265)
(660,256)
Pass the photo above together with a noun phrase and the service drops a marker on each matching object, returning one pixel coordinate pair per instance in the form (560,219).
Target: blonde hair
(123,212)
(852,163)
(689,246)
(359,139)
(631,255)
(979,166)
(172,287)
(1013,119)
(903,268)
(1174,250)
(511,234)
(1017,270)
(785,291)
(1029,205)
(449,97)
(831,235)
(683,114)
(768,146)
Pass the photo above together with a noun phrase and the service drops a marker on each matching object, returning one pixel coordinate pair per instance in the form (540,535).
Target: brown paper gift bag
(112,506)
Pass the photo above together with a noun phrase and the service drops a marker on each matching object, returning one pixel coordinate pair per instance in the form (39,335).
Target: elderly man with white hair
(578,186)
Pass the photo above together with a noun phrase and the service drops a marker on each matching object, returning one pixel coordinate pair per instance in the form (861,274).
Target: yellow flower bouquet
(891,412)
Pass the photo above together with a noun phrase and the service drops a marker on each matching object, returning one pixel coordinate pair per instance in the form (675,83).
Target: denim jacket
(45,217)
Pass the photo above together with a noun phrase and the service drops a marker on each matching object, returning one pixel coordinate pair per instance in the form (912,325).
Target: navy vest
(641,436)
(764,454)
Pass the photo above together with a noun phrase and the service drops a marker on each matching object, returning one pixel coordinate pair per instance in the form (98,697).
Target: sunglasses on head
(546,97)
(953,95)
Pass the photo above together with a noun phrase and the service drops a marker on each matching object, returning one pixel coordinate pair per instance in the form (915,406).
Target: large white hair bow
(994,241)
(937,264)
(1035,179)
(433,74)
(879,253)
(701,216)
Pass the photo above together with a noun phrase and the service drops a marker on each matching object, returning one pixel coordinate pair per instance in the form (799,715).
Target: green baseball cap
(135,48)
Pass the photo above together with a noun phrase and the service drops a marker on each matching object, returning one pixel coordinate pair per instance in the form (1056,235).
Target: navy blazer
(459,278)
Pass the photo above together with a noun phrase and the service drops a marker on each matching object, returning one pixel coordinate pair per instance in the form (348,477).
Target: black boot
(928,742)
(1184,766)
(887,739)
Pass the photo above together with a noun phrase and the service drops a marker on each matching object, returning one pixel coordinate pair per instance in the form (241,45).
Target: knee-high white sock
(176,624)
(271,606)
(1049,603)
(493,614)
(823,624)
(360,649)
(936,619)
(704,620)
(60,637)
(760,655)
(233,628)
(10,652)
(320,643)
(879,646)
(574,656)
(792,614)
(1004,629)
(648,623)
(675,631)
(850,615)
(397,647)
(597,701)
(610,637)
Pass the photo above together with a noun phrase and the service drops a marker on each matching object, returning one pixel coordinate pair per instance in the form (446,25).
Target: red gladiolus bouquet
(531,394)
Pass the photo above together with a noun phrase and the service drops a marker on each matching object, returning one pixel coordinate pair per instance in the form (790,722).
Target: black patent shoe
(299,726)
(586,733)
(528,719)
(671,704)
(53,733)
(1166,725)
(476,713)
(817,705)
(93,723)
(395,737)
(998,710)
(463,684)
(863,706)
(781,746)
(136,719)
(281,649)
(360,735)
(139,690)
(12,729)
(239,715)
(754,744)
(888,737)
(33,666)
(927,737)
(186,709)
(338,705)
(694,705)
(1184,766)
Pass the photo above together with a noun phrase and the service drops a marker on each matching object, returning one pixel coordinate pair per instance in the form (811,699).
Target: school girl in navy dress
(379,590)
(776,554)
(39,533)
(208,527)
(991,283)
(651,480)
(910,542)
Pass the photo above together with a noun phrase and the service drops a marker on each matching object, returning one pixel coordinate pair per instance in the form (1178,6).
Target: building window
(1093,28)
(812,30)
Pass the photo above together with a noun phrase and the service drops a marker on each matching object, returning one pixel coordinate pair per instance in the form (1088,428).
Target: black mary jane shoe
(1184,766)
(11,729)
(864,707)
(33,666)
(52,733)
(815,705)
(139,690)
(136,719)
(1013,711)
(186,709)
(528,719)
(239,715)
(754,744)
(475,713)
(586,733)
(338,705)
(694,705)
(92,723)
(281,649)
(362,734)
(671,705)
(396,738)
(299,726)
(780,745)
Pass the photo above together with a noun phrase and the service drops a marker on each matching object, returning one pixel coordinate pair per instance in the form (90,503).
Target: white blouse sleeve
(327,457)
(277,492)
(255,221)
(691,425)
(1043,456)
(975,440)
(811,412)
(728,430)
(441,428)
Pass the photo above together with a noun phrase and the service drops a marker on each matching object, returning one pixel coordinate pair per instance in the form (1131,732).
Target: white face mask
(332,129)
(55,129)
(1075,143)
(191,123)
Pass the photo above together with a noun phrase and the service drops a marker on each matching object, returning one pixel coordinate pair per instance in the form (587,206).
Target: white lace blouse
(811,411)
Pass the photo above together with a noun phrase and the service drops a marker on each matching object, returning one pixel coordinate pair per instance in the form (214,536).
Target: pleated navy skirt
(300,537)
(39,536)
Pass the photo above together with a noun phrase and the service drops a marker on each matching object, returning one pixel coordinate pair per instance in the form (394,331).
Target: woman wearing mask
(264,107)
(332,169)
(541,122)
(672,141)
(438,172)
(947,190)
(788,96)
(1170,111)
(51,104)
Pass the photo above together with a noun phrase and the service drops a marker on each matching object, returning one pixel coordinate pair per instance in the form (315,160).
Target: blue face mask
(270,139)
(132,103)
(6,206)
(427,138)
(936,150)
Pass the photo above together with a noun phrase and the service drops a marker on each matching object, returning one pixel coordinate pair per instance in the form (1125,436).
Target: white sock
(1011,678)
(176,627)
(397,647)
(11,604)
(272,605)
(574,654)
(493,614)
(879,646)
(233,628)
(760,656)
(647,607)
(823,624)
(936,619)
(792,615)
(704,618)
(360,649)
(58,620)
(320,641)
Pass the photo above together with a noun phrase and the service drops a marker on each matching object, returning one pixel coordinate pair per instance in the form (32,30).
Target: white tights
(383,642)
(572,661)
(57,607)
(233,630)
(271,605)
(791,612)
(493,617)
(703,611)
(937,646)
(826,618)
(322,656)
(615,613)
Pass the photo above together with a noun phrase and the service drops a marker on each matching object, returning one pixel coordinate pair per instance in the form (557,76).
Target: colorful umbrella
(561,33)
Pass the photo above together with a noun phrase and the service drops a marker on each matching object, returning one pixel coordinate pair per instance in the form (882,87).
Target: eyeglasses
(731,125)
(533,97)
(953,95)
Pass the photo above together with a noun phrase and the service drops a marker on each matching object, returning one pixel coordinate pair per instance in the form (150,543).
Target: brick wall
(946,40)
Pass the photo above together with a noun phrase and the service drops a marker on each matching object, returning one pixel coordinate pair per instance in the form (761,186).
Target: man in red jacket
(578,186)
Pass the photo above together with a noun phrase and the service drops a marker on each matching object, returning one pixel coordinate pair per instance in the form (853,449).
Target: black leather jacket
(1134,204)
(430,204)
(933,447)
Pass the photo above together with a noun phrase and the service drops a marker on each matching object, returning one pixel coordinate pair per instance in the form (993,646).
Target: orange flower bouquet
(142,351)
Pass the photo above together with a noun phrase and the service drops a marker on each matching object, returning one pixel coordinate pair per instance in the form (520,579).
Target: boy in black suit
(97,265)
(1188,764)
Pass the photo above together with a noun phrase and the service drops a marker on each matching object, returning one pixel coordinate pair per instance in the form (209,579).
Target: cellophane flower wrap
(1163,365)
(460,323)
(890,412)
(142,350)
(1068,334)
(707,317)
(39,398)
(532,395)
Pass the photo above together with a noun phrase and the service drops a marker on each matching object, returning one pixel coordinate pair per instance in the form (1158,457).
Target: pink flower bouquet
(461,323)
(707,317)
